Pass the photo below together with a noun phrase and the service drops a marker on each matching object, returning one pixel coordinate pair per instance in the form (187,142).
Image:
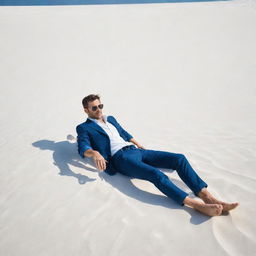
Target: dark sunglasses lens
(94,108)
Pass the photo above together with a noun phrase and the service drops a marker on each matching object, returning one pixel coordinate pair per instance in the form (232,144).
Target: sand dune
(179,77)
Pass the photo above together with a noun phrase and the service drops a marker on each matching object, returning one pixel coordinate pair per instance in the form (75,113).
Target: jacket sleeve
(83,140)
(123,132)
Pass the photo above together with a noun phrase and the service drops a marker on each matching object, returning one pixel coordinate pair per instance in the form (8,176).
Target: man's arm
(83,140)
(123,132)
(85,148)
(136,143)
(99,160)
(127,135)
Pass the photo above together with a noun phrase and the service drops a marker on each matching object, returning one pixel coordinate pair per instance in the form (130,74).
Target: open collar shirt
(116,141)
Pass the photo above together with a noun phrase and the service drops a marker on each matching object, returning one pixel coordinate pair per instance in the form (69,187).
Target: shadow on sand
(65,155)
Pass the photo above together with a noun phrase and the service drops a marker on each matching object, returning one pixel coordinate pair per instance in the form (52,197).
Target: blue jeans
(144,164)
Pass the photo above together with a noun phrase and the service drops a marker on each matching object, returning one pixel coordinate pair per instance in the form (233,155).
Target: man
(115,150)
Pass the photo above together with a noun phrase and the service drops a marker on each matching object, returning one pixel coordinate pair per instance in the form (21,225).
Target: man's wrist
(95,153)
(134,141)
(90,153)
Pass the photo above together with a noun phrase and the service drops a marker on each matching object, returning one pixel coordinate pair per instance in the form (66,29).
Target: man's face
(97,114)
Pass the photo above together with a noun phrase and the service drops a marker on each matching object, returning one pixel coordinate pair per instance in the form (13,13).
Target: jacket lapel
(98,128)
(95,126)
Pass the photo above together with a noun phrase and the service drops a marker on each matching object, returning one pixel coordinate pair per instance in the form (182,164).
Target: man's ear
(86,110)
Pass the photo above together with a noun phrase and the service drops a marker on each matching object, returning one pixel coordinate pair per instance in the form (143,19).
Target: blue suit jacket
(91,136)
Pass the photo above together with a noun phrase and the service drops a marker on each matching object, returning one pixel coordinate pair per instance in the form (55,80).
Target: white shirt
(116,141)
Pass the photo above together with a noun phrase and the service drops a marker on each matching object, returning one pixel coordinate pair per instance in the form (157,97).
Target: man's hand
(139,146)
(136,143)
(99,161)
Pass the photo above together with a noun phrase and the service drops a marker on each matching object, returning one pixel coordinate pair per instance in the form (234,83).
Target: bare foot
(207,209)
(226,206)
(209,199)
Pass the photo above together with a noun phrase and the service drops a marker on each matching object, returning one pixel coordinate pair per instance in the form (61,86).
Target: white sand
(179,77)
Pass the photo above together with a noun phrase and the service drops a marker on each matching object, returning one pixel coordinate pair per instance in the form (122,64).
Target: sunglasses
(94,108)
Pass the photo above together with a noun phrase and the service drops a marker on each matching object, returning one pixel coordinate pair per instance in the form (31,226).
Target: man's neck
(100,119)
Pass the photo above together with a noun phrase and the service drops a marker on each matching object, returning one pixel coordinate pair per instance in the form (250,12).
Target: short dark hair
(89,98)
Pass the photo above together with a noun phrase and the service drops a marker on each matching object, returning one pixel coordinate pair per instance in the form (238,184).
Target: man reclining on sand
(113,150)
